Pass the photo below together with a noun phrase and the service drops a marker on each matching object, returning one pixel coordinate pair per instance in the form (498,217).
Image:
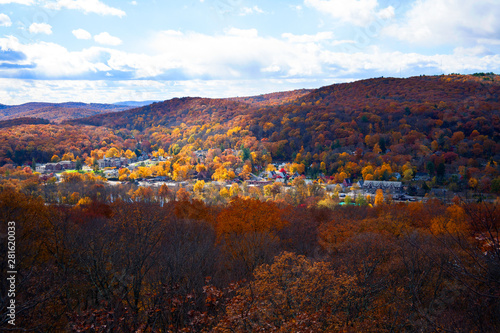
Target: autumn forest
(197,236)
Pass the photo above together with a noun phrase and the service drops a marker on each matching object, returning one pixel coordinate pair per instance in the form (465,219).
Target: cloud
(5,21)
(87,6)
(21,2)
(436,22)
(251,10)
(82,34)
(53,61)
(320,36)
(357,12)
(237,54)
(105,38)
(9,55)
(16,91)
(40,28)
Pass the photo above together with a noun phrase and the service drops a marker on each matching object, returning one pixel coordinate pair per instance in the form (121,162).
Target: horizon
(103,51)
(119,103)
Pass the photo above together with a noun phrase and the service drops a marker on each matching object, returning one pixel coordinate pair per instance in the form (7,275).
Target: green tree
(441,170)
(431,168)
(78,164)
(245,153)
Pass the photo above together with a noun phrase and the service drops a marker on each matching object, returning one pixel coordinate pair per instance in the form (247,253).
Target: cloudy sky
(110,50)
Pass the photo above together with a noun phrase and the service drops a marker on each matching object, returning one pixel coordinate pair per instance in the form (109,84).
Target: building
(111,173)
(422,176)
(115,162)
(53,167)
(373,185)
(347,182)
(201,154)
(67,165)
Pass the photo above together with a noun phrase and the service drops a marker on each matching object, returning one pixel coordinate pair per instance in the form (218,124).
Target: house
(111,173)
(67,165)
(439,192)
(374,185)
(347,182)
(201,154)
(422,176)
(258,182)
(52,167)
(115,162)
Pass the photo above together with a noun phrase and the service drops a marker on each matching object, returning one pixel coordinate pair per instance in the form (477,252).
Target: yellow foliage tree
(68,157)
(245,172)
(379,197)
(112,152)
(198,187)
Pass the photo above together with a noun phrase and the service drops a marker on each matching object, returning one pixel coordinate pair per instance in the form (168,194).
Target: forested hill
(22,121)
(57,111)
(189,110)
(408,114)
(174,112)
(450,121)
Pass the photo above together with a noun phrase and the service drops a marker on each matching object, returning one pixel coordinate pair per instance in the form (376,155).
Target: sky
(105,51)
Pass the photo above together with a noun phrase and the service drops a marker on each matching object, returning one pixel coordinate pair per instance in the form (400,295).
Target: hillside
(57,112)
(134,104)
(273,99)
(22,121)
(440,125)
(420,109)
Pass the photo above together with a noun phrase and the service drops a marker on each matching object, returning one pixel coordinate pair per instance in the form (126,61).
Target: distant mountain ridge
(57,112)
(135,104)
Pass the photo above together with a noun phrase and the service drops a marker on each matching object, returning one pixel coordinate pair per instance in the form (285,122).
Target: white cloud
(105,38)
(320,36)
(245,33)
(236,55)
(251,10)
(82,34)
(40,28)
(478,50)
(21,2)
(5,20)
(54,61)
(15,91)
(134,3)
(357,12)
(87,6)
(436,22)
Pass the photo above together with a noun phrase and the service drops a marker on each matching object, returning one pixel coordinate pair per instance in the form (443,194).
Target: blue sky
(109,50)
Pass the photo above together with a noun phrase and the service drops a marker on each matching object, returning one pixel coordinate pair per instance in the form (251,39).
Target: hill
(57,112)
(134,104)
(421,109)
(440,125)
(22,121)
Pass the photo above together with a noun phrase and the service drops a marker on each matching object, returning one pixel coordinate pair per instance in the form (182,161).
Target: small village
(111,169)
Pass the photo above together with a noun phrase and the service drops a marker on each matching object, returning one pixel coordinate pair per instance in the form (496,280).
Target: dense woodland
(95,257)
(251,265)
(57,112)
(23,121)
